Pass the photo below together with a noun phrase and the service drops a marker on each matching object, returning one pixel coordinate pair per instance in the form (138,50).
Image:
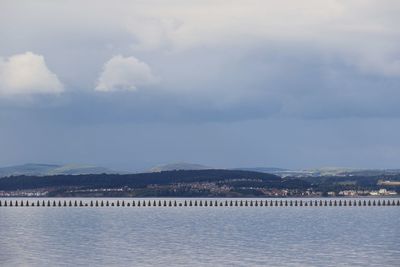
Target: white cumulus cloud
(124,73)
(27,74)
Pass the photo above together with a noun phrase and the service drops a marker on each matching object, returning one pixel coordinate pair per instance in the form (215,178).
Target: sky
(132,84)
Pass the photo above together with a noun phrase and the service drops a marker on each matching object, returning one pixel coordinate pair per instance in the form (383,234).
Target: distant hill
(178,166)
(51,169)
(272,170)
(280,171)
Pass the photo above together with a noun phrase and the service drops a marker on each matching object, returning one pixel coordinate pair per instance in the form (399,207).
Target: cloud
(27,74)
(364,33)
(124,73)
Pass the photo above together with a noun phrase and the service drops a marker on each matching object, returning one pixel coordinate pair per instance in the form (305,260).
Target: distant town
(200,189)
(204,183)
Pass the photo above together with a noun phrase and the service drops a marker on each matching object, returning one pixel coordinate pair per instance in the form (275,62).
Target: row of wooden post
(197,203)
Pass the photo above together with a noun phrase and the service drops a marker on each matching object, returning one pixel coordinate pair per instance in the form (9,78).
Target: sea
(200,236)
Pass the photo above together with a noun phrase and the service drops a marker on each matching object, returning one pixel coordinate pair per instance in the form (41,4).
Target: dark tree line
(141,180)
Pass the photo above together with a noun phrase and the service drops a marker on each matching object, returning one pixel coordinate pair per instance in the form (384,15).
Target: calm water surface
(200,236)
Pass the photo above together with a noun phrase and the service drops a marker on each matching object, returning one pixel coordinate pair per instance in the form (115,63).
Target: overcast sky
(132,84)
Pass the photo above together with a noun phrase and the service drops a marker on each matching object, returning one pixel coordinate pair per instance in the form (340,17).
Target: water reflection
(223,236)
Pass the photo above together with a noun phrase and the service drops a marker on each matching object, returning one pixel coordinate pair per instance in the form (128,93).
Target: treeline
(141,180)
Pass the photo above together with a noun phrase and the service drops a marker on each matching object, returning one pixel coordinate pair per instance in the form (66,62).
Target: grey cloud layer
(334,58)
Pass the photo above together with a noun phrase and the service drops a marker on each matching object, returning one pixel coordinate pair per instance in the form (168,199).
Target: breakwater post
(202,203)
